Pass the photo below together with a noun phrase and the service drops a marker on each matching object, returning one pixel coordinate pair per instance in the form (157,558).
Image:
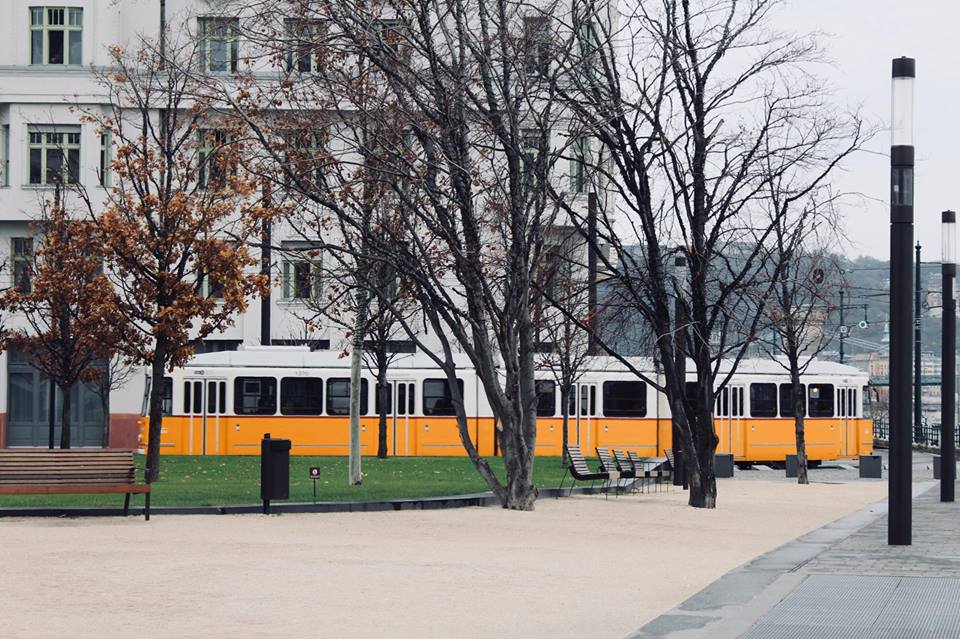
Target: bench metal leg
(146,507)
(560,490)
(126,504)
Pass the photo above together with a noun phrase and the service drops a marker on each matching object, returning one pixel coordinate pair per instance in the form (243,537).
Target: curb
(424,503)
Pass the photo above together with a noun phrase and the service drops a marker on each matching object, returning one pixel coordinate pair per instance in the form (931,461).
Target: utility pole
(948,365)
(917,388)
(899,522)
(592,271)
(266,262)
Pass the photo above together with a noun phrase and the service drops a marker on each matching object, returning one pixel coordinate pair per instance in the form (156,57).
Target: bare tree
(690,101)
(461,97)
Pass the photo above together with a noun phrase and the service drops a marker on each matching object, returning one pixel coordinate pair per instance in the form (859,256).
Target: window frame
(579,159)
(67,140)
(230,39)
(46,27)
(22,256)
(294,255)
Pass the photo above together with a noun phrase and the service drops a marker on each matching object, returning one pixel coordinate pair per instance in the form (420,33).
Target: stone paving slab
(911,590)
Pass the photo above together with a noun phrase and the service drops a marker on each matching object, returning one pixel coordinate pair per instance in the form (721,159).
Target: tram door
(205,402)
(585,400)
(403,403)
(847,410)
(728,420)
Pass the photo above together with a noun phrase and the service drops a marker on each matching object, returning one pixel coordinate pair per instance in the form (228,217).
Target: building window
(56,35)
(53,154)
(5,155)
(303,39)
(579,160)
(213,161)
(211,288)
(21,251)
(305,158)
(105,159)
(219,46)
(255,396)
(301,274)
(536,45)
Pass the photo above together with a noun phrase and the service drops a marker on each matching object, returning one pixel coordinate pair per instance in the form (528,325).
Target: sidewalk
(842,580)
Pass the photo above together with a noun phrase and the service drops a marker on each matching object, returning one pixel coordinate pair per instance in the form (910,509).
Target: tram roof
(303,357)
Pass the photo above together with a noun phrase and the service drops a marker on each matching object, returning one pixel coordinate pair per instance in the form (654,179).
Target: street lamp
(901,290)
(948,366)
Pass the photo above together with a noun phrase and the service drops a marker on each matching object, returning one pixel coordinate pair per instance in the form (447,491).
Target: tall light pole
(948,366)
(901,289)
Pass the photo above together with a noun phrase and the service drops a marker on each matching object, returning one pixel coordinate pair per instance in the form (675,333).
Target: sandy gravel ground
(578,567)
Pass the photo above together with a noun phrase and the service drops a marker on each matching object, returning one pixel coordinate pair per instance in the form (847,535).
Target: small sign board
(314,472)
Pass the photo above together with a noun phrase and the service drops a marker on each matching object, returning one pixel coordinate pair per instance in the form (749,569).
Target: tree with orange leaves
(178,215)
(66,305)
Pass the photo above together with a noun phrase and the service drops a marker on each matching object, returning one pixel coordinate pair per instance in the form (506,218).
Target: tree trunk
(156,411)
(51,413)
(384,402)
(521,494)
(565,410)
(65,417)
(798,414)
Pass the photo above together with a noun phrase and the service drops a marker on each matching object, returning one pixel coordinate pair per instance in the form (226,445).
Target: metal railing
(928,434)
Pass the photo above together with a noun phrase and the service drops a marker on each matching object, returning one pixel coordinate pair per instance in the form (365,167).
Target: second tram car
(223,403)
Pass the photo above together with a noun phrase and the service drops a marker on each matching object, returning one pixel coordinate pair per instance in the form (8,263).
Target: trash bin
(871,466)
(792,466)
(723,465)
(274,470)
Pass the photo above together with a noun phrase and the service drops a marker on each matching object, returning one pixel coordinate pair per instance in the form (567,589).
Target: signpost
(314,475)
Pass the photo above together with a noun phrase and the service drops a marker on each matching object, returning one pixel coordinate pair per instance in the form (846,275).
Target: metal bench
(654,468)
(579,471)
(79,471)
(609,464)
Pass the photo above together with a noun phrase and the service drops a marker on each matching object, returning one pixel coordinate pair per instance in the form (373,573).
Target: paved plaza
(841,580)
(583,566)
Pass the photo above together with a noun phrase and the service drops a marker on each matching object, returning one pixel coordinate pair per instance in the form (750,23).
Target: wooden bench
(76,471)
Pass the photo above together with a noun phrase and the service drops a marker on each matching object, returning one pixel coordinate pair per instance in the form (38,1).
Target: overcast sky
(863,37)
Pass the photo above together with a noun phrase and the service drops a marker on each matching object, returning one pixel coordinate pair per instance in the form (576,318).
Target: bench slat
(74,490)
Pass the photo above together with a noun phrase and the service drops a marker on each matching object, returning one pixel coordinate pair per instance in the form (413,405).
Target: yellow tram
(223,403)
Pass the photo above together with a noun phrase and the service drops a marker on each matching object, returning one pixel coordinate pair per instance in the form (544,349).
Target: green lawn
(225,480)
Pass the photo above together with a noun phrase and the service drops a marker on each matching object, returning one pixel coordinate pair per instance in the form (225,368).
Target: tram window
(786,399)
(186,396)
(166,403)
(223,397)
(820,397)
(376,400)
(853,402)
(593,399)
(411,399)
(437,398)
(763,400)
(546,398)
(338,396)
(211,398)
(301,396)
(197,398)
(255,396)
(624,399)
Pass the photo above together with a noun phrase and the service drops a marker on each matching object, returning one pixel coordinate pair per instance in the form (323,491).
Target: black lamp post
(901,290)
(948,366)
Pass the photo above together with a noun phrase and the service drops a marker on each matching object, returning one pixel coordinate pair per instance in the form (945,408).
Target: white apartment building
(46,51)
